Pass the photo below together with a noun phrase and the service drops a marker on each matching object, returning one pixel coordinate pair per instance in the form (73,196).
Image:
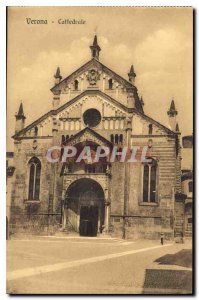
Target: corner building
(95,106)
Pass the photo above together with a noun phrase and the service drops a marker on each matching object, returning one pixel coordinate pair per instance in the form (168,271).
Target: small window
(121,138)
(110,84)
(190,186)
(112,138)
(63,139)
(36,131)
(116,139)
(76,83)
(150,128)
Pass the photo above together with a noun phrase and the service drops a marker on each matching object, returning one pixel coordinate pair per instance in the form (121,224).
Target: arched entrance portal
(85,207)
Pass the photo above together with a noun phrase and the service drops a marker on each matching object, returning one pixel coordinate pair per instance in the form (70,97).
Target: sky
(157,41)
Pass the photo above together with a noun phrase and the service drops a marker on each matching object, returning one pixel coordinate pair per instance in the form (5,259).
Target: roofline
(54,112)
(87,63)
(92,92)
(49,113)
(92,131)
(115,102)
(156,122)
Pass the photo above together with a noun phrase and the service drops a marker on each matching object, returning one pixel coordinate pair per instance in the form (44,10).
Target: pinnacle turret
(20,119)
(20,115)
(132,74)
(95,48)
(57,76)
(172,110)
(172,113)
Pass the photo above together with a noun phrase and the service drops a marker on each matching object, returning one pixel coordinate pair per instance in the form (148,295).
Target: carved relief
(93,76)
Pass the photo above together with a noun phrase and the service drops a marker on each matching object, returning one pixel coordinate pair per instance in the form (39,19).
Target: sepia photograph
(99,154)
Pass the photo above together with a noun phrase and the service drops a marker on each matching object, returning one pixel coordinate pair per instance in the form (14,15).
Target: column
(116,91)
(103,83)
(41,130)
(69,125)
(56,99)
(64,211)
(82,83)
(62,124)
(69,92)
(106,217)
(114,123)
(109,125)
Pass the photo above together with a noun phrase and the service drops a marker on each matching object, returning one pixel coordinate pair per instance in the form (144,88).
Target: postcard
(99,158)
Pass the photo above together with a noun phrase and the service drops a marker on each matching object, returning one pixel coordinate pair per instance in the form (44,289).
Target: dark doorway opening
(88,220)
(85,207)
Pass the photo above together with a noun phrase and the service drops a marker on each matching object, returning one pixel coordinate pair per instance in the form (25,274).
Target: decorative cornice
(92,92)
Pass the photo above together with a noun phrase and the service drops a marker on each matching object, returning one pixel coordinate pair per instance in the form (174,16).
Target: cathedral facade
(94,107)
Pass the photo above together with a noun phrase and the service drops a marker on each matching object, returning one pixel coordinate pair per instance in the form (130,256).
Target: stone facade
(122,122)
(187,183)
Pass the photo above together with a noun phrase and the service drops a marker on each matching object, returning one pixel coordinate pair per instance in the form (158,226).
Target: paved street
(53,265)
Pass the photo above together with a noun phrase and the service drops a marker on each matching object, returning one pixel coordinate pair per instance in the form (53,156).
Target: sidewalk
(87,265)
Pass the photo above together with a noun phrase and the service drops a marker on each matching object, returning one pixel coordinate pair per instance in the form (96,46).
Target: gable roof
(72,101)
(90,92)
(169,131)
(93,92)
(90,130)
(92,63)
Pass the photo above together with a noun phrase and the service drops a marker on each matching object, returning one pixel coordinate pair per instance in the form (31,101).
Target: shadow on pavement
(182,258)
(167,282)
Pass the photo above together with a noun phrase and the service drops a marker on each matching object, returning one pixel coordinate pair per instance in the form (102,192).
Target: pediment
(73,110)
(92,71)
(88,135)
(92,99)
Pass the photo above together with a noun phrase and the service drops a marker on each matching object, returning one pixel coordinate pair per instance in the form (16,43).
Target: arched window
(150,128)
(190,186)
(34,178)
(150,182)
(36,131)
(121,138)
(146,183)
(112,138)
(110,84)
(63,139)
(76,83)
(116,139)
